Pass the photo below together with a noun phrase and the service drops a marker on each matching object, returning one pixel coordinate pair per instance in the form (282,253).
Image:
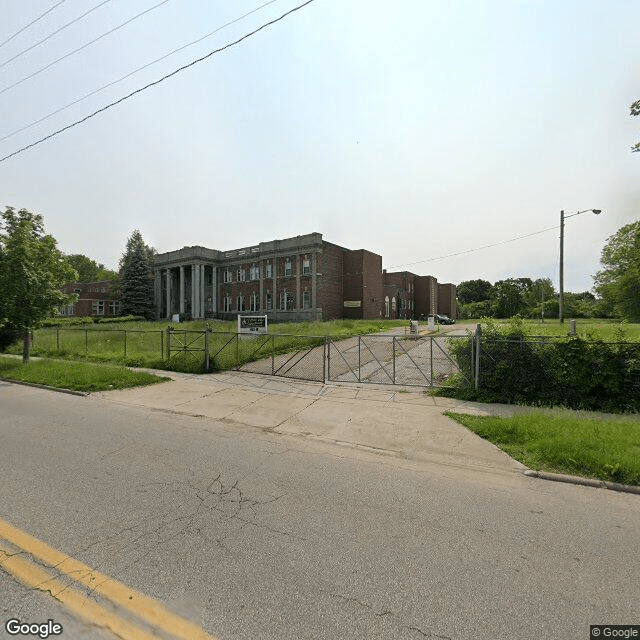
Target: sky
(417,130)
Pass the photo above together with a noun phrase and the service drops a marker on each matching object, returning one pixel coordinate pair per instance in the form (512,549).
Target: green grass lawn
(566,442)
(604,329)
(77,376)
(144,343)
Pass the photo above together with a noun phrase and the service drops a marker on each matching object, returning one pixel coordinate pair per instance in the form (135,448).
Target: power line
(32,22)
(487,246)
(84,46)
(128,75)
(33,46)
(155,82)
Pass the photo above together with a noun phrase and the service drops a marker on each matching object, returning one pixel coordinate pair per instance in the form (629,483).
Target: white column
(181,289)
(196,313)
(168,293)
(193,290)
(202,300)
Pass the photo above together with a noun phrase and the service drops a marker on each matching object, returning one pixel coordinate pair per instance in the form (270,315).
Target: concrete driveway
(404,423)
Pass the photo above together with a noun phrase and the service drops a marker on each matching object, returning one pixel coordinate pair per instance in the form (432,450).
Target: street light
(562,217)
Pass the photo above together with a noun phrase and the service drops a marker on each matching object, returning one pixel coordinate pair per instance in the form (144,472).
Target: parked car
(437,317)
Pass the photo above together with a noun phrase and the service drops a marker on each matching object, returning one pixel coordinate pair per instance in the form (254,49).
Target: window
(288,268)
(254,302)
(67,310)
(268,301)
(267,271)
(287,301)
(227,303)
(306,300)
(241,275)
(254,273)
(386,306)
(393,304)
(241,305)
(228,276)
(306,267)
(97,308)
(114,308)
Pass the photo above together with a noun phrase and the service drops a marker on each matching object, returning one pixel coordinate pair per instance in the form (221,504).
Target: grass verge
(77,376)
(564,442)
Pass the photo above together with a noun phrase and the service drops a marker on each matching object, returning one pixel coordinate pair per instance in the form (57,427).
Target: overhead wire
(62,28)
(84,46)
(156,82)
(131,73)
(486,246)
(42,15)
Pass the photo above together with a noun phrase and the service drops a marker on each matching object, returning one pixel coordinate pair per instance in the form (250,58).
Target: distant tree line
(525,297)
(616,291)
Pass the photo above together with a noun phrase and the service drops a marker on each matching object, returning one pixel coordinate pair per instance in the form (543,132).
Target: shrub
(577,372)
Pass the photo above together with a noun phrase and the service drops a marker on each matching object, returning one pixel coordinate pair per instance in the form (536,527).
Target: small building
(94,299)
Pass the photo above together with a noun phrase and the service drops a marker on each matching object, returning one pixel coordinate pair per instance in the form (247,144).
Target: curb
(71,392)
(587,482)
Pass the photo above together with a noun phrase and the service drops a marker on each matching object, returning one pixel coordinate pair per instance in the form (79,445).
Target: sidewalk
(405,423)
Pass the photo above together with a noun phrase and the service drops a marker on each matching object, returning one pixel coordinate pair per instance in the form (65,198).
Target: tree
(89,270)
(136,284)
(618,283)
(508,297)
(32,270)
(473,291)
(635,111)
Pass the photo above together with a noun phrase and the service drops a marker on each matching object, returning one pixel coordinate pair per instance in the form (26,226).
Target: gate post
(86,343)
(328,358)
(273,355)
(359,356)
(324,360)
(394,359)
(162,345)
(478,337)
(58,340)
(206,350)
(125,343)
(237,351)
(431,358)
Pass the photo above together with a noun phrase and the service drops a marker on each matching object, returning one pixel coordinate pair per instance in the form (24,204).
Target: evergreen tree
(136,283)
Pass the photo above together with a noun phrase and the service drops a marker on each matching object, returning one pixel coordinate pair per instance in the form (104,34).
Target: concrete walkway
(405,423)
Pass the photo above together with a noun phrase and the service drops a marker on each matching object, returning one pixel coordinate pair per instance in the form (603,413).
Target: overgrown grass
(604,329)
(144,344)
(565,442)
(77,376)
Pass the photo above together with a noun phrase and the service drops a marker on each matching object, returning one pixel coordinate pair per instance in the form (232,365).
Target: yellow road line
(77,603)
(140,605)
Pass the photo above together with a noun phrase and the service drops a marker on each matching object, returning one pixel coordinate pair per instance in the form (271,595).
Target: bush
(60,321)
(110,319)
(577,372)
(7,337)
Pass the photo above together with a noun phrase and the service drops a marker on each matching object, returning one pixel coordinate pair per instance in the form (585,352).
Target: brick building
(304,278)
(94,299)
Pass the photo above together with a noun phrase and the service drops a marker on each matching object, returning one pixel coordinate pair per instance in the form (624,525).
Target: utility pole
(561,266)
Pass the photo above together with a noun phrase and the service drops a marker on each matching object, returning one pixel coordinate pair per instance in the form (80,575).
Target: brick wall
(88,293)
(447,300)
(329,282)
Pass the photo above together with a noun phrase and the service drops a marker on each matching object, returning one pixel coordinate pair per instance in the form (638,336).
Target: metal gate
(381,359)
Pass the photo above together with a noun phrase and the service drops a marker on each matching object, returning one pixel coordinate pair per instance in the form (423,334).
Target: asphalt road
(251,534)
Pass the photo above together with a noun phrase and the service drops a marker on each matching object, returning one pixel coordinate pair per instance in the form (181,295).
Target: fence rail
(381,359)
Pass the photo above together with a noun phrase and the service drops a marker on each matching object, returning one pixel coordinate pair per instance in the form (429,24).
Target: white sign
(175,317)
(252,324)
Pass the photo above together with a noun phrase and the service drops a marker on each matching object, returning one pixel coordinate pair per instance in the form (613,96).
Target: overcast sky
(414,129)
